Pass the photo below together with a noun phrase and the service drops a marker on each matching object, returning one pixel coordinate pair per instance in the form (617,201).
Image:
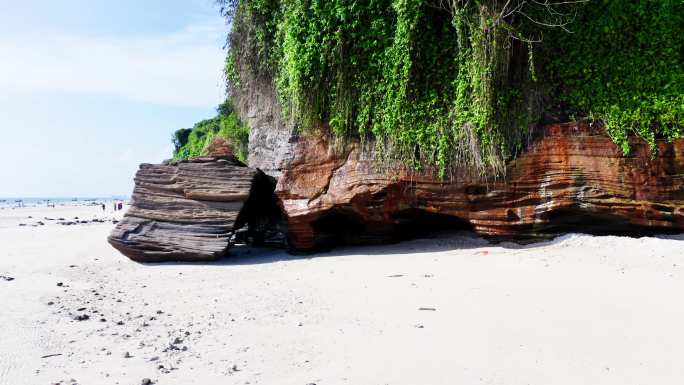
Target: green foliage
(449,83)
(431,85)
(193,142)
(624,64)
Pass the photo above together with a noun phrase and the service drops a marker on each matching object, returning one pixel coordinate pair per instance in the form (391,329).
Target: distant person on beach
(103,207)
(120,206)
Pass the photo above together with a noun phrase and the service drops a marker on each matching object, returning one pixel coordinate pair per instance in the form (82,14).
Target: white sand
(578,310)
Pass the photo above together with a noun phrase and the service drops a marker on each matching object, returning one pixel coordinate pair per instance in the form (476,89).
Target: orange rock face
(571,178)
(220,147)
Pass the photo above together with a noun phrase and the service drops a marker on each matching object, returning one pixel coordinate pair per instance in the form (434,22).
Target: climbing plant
(623,64)
(447,83)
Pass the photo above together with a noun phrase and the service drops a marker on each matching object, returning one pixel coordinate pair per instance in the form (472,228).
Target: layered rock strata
(187,210)
(571,178)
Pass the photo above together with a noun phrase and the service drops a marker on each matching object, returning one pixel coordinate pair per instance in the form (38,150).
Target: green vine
(446,84)
(623,64)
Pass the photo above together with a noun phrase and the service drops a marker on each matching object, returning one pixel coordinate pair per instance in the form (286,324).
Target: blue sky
(90,89)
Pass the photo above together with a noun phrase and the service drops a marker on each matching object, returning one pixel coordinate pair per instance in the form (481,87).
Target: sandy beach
(452,309)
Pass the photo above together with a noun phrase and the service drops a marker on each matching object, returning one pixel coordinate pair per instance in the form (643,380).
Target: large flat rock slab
(184,211)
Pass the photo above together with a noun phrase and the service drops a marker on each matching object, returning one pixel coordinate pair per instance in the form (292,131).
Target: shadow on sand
(440,242)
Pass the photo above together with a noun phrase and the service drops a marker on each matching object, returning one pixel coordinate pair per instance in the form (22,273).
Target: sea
(58,201)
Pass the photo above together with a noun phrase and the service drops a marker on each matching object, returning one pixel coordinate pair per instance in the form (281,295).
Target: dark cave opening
(344,227)
(339,227)
(578,220)
(417,223)
(261,221)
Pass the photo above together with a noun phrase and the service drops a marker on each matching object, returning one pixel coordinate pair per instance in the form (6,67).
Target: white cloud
(180,69)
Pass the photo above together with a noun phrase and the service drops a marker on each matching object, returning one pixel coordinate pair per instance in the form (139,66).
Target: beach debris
(146,381)
(60,284)
(6,278)
(51,355)
(82,317)
(127,355)
(395,276)
(427,309)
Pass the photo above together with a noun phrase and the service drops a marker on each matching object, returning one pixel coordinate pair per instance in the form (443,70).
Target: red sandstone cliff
(572,178)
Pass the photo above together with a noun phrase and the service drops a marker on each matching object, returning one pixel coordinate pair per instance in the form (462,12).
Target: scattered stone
(60,284)
(395,276)
(6,278)
(82,317)
(51,355)
(146,381)
(50,303)
(80,309)
(427,308)
(127,355)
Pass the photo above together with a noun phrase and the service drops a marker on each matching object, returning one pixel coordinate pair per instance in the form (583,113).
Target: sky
(89,89)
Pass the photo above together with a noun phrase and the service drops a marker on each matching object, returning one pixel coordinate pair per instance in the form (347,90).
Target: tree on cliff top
(193,142)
